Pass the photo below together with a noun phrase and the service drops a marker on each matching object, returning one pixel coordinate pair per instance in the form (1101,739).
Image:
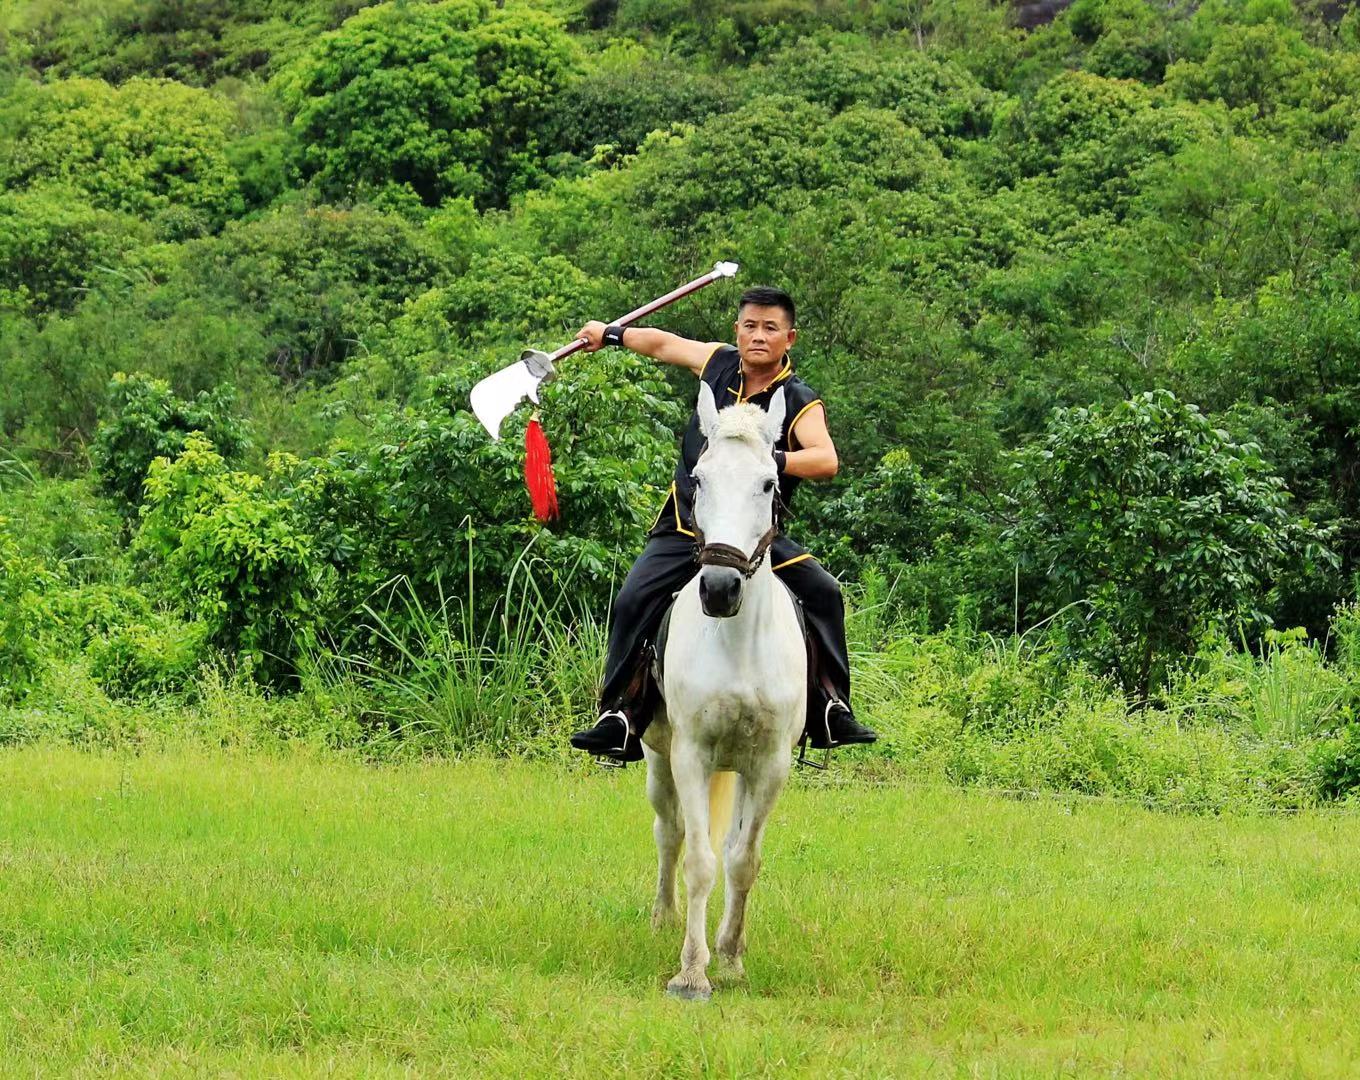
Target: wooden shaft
(646,309)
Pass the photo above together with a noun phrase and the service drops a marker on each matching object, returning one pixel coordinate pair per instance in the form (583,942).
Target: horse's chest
(726,711)
(733,690)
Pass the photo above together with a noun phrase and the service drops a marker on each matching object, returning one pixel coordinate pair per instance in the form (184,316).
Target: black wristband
(613,335)
(780,460)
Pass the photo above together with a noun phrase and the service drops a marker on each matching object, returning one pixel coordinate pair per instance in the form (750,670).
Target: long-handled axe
(495,397)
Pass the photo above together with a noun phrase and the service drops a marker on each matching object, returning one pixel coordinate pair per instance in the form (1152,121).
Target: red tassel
(538,472)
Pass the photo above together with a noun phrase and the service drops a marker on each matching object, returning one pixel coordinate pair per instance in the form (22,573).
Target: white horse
(734,680)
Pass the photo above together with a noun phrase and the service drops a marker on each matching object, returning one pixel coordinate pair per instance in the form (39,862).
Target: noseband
(727,555)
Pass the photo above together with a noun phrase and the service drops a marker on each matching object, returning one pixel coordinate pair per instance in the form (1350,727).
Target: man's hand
(592,334)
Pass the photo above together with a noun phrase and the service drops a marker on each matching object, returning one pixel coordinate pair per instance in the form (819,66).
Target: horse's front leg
(669,830)
(759,790)
(701,869)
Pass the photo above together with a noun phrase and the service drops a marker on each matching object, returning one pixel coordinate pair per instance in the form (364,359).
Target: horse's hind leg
(669,830)
(757,798)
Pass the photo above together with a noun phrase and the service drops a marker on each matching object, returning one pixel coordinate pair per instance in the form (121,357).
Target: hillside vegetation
(1082,302)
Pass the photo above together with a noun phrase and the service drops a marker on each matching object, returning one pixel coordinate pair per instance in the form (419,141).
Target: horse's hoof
(665,918)
(731,970)
(680,988)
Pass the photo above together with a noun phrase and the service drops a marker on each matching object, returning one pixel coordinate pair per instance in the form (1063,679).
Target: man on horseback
(749,372)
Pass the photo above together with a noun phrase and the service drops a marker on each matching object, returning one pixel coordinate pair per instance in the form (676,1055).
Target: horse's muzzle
(720,591)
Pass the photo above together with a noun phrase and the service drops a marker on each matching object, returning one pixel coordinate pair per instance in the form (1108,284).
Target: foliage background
(1081,300)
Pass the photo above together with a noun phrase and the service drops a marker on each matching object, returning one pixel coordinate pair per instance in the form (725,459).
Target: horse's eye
(769,486)
(694,479)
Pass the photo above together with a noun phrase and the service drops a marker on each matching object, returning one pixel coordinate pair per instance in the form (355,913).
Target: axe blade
(495,397)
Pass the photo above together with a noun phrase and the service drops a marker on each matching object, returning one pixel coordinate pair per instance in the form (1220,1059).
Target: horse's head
(735,486)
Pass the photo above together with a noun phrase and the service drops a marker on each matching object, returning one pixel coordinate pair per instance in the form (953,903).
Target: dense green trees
(50,242)
(437,100)
(1001,243)
(147,421)
(153,148)
(1157,526)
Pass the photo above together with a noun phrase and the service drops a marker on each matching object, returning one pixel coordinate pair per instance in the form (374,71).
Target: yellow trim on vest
(784,373)
(804,409)
(720,346)
(793,438)
(675,509)
(790,562)
(657,520)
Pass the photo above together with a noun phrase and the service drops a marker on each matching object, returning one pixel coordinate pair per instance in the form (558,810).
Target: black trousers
(667,563)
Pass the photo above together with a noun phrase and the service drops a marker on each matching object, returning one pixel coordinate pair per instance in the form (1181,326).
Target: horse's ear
(708,411)
(774,417)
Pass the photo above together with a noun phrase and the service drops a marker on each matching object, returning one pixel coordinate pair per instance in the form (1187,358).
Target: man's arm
(658,344)
(815,459)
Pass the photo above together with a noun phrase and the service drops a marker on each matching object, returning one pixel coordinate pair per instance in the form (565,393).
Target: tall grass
(1287,695)
(14,470)
(1293,694)
(453,676)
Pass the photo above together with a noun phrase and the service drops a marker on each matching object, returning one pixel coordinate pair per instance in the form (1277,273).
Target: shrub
(1157,524)
(1247,66)
(618,106)
(26,617)
(64,523)
(142,659)
(316,282)
(151,148)
(50,245)
(147,420)
(432,499)
(1124,39)
(234,555)
(444,99)
(890,515)
(934,96)
(505,297)
(194,43)
(1067,114)
(768,153)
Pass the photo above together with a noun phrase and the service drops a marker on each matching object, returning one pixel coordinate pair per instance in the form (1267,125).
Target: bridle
(727,555)
(730,556)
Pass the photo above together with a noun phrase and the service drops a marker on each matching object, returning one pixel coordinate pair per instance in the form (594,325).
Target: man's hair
(768,296)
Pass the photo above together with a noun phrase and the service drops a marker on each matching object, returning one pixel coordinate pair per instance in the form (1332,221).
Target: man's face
(763,334)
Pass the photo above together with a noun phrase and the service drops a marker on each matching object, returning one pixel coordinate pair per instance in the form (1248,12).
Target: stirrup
(803,759)
(605,761)
(812,763)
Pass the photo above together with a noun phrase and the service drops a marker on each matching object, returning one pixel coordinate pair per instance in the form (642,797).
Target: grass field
(196,913)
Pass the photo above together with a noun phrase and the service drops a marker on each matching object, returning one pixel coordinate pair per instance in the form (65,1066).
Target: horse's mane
(745,422)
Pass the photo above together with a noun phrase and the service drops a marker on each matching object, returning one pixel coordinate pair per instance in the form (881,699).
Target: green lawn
(194,913)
